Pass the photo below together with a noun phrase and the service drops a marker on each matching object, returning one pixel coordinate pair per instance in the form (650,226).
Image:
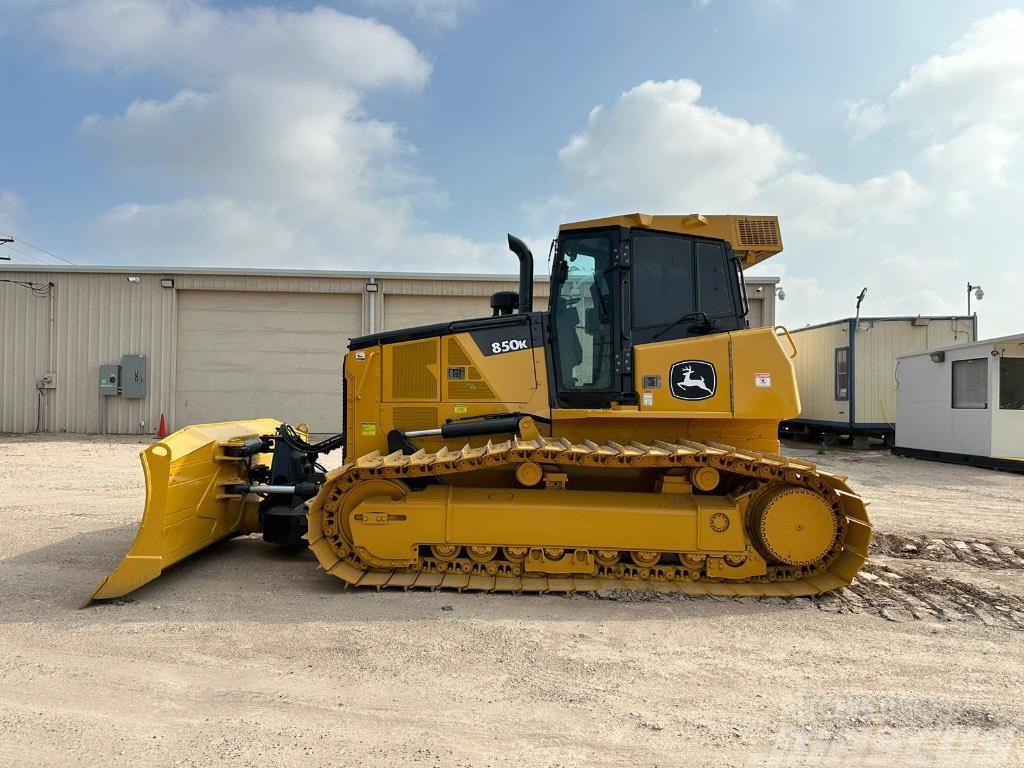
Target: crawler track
(757,471)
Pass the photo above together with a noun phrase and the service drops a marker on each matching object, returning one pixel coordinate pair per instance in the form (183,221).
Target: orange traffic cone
(161,431)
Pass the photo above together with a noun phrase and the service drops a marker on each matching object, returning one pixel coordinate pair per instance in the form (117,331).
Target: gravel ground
(248,656)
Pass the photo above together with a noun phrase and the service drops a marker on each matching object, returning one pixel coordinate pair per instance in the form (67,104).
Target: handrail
(789,338)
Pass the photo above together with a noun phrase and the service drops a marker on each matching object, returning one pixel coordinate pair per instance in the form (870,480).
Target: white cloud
(976,158)
(815,206)
(312,148)
(201,231)
(190,41)
(865,117)
(657,148)
(438,14)
(980,79)
(264,149)
(968,105)
(220,230)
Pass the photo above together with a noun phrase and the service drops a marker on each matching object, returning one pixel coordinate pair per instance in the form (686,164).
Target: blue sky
(411,134)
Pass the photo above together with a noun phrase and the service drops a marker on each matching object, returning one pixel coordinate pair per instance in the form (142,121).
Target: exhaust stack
(518,247)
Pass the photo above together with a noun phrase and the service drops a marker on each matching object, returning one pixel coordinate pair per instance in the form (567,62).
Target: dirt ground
(248,656)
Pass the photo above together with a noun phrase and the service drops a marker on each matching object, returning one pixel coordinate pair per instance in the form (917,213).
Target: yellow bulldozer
(626,437)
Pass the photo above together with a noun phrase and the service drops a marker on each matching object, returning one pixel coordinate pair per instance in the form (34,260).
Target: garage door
(247,354)
(408,311)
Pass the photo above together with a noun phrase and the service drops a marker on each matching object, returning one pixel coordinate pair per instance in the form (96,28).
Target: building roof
(866,319)
(172,271)
(1016,338)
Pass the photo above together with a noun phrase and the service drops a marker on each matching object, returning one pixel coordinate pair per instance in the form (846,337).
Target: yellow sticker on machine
(368,429)
(460,409)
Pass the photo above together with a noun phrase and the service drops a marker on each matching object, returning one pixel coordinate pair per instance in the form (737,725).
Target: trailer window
(970,383)
(843,373)
(1011,383)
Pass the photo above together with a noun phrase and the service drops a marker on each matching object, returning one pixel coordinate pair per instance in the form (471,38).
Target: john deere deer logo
(693,380)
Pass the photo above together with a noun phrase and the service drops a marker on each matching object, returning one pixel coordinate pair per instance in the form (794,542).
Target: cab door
(585,320)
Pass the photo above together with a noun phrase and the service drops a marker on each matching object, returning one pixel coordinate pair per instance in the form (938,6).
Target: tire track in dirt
(899,594)
(897,584)
(984,553)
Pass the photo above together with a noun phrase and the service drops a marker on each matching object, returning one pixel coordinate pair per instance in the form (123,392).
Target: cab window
(583,314)
(677,275)
(663,279)
(715,278)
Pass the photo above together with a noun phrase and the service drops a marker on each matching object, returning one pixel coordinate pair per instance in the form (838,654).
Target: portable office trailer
(845,370)
(963,404)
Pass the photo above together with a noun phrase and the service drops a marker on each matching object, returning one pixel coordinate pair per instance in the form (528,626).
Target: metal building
(846,369)
(963,403)
(216,344)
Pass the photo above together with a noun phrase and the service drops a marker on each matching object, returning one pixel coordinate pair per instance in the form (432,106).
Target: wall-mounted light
(166,282)
(372,287)
(134,279)
(937,357)
(780,293)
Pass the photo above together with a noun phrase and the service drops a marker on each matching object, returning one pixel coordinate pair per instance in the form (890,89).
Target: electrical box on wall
(133,376)
(110,380)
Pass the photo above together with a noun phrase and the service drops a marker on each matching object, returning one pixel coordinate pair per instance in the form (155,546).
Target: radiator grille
(412,370)
(456,354)
(407,418)
(469,390)
(754,232)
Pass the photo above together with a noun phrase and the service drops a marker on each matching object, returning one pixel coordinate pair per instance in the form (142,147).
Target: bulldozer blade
(187,507)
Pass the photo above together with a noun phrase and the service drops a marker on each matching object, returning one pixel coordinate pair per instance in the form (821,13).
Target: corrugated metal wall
(815,372)
(878,344)
(98,315)
(24,350)
(97,319)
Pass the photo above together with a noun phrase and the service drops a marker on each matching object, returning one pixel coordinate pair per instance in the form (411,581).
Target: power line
(26,254)
(43,250)
(41,290)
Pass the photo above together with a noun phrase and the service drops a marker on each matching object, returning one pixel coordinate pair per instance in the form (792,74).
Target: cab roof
(753,238)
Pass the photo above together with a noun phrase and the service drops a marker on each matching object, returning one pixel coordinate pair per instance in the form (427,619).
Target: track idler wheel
(793,525)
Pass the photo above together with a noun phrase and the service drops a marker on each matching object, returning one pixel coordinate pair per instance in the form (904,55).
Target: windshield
(583,313)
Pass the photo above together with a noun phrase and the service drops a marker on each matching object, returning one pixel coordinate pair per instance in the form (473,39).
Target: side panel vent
(414,368)
(755,232)
(456,354)
(409,417)
(470,390)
